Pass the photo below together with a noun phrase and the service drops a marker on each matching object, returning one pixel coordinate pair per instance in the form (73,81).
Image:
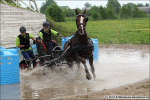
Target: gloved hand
(58,34)
(34,42)
(61,35)
(26,46)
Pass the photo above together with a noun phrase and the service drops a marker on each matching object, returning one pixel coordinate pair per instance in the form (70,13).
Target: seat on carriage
(45,53)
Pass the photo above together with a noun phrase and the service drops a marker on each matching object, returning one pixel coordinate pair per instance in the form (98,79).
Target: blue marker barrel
(9,66)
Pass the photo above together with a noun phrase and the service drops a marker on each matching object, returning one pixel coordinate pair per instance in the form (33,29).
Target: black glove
(26,46)
(34,42)
(58,34)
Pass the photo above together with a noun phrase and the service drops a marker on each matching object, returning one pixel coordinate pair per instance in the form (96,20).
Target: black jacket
(24,40)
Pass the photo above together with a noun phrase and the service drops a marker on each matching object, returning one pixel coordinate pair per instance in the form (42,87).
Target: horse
(80,46)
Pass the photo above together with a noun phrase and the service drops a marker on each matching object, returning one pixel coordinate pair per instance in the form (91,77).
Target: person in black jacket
(45,35)
(23,42)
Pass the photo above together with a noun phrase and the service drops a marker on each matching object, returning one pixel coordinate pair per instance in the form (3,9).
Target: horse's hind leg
(88,76)
(78,64)
(92,66)
(70,64)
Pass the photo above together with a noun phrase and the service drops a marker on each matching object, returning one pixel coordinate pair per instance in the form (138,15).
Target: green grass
(119,31)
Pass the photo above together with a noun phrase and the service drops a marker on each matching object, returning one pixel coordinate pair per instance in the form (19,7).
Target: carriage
(43,57)
(79,48)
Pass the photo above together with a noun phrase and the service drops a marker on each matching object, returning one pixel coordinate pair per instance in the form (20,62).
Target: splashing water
(114,68)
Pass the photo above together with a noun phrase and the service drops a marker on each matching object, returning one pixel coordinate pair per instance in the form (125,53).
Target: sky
(80,3)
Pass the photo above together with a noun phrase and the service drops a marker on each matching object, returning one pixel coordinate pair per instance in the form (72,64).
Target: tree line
(113,10)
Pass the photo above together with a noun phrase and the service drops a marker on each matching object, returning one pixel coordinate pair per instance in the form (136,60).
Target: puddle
(115,67)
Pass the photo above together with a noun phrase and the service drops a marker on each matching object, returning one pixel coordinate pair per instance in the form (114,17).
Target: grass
(145,86)
(59,28)
(119,31)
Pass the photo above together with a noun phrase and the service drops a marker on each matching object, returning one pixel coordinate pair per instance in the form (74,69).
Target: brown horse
(80,47)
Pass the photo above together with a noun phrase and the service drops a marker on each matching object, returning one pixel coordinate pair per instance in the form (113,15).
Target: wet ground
(115,67)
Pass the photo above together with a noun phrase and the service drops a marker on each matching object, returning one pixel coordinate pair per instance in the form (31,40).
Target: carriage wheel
(23,66)
(37,63)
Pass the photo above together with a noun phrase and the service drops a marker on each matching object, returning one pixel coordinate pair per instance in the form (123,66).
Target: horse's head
(81,21)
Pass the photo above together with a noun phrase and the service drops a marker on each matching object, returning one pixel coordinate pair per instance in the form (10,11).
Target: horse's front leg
(92,66)
(88,76)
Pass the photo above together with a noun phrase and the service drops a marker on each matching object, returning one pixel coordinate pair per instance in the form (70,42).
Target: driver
(45,36)
(23,42)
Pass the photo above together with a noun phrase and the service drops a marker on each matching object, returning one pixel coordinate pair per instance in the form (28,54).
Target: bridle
(86,19)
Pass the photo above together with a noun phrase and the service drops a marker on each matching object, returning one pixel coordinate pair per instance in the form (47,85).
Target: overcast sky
(80,3)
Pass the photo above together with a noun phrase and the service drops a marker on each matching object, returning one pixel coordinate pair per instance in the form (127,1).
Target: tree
(10,1)
(94,12)
(55,13)
(96,16)
(69,13)
(46,4)
(140,5)
(87,5)
(94,8)
(146,5)
(131,10)
(126,11)
(103,12)
(115,4)
(110,12)
(136,13)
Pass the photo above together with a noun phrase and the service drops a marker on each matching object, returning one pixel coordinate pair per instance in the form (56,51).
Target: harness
(81,47)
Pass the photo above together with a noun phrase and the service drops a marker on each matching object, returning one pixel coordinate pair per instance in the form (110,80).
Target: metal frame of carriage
(53,59)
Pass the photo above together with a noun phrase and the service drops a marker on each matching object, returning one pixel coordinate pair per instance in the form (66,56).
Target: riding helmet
(22,29)
(46,24)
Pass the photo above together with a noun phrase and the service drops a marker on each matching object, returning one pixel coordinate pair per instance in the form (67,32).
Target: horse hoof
(88,76)
(94,76)
(44,73)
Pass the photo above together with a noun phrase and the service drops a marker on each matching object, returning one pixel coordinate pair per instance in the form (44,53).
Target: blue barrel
(34,48)
(95,52)
(64,40)
(95,41)
(9,62)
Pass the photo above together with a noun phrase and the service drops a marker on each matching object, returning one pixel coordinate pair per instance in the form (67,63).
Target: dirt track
(143,48)
(141,88)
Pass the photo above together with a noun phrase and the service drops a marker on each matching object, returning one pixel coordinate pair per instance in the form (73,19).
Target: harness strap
(82,47)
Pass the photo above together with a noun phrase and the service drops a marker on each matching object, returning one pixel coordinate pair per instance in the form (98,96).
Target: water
(115,67)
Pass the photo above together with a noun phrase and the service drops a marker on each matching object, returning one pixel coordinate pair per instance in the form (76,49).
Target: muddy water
(115,67)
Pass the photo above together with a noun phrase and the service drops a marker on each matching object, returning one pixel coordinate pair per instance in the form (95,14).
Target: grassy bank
(120,31)
(59,28)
